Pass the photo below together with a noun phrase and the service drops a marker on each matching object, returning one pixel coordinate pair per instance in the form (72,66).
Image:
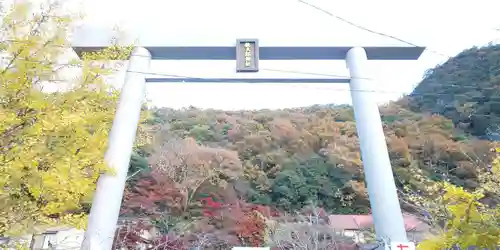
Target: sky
(445,27)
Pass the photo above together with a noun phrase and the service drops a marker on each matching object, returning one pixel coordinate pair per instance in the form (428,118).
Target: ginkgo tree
(52,143)
(465,218)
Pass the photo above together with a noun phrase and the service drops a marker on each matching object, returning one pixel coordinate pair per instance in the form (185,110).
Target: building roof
(357,222)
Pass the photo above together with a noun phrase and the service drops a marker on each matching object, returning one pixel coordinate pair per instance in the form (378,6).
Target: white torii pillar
(384,202)
(107,200)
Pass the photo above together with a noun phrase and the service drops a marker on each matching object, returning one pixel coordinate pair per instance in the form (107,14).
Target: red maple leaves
(153,196)
(243,220)
(233,221)
(211,207)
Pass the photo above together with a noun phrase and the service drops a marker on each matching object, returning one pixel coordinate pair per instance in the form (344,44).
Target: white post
(386,212)
(110,187)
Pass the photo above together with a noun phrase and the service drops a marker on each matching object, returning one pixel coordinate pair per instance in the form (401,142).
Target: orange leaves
(251,229)
(245,221)
(399,151)
(282,128)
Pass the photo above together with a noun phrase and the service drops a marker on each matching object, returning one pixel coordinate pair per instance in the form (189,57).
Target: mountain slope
(465,89)
(289,158)
(295,156)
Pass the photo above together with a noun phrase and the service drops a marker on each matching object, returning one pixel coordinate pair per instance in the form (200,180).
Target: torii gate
(388,219)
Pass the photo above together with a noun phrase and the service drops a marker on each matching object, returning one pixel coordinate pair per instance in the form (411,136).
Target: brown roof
(356,222)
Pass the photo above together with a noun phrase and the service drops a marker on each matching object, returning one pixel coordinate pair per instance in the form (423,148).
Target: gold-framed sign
(247,55)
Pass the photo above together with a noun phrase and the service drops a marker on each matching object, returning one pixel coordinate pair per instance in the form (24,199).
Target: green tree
(137,167)
(464,89)
(51,144)
(313,181)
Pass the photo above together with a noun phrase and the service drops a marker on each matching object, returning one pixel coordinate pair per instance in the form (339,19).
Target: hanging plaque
(247,55)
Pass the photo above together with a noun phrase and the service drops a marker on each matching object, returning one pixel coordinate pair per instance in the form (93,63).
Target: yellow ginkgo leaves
(52,143)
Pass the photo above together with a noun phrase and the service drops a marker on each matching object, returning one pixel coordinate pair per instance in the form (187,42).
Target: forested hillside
(466,90)
(283,161)
(315,151)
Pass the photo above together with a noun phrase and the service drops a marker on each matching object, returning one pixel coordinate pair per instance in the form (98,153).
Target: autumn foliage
(226,173)
(251,229)
(154,195)
(54,128)
(237,223)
